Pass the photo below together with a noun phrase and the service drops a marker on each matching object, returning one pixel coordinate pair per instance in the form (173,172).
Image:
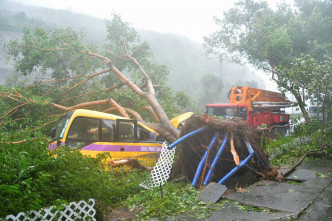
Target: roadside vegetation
(304,141)
(30,173)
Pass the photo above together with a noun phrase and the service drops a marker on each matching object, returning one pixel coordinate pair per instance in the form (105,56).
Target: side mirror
(53,132)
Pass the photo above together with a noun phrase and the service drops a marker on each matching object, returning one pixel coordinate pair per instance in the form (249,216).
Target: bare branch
(119,108)
(131,112)
(125,46)
(310,152)
(114,87)
(121,76)
(12,111)
(45,124)
(85,80)
(136,49)
(45,49)
(83,44)
(147,77)
(18,142)
(23,118)
(150,110)
(94,92)
(87,104)
(4,94)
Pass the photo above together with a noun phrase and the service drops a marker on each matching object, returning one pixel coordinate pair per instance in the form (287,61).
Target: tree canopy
(277,41)
(85,75)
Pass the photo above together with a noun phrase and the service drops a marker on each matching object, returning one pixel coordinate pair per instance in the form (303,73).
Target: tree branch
(12,111)
(119,108)
(146,76)
(133,113)
(150,110)
(304,156)
(87,104)
(82,82)
(94,92)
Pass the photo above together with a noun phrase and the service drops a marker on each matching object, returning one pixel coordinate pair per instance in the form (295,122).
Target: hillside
(184,58)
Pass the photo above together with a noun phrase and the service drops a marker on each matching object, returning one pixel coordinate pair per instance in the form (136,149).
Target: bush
(177,198)
(32,178)
(287,150)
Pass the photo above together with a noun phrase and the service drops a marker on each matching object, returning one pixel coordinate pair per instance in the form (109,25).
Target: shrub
(177,198)
(31,178)
(287,150)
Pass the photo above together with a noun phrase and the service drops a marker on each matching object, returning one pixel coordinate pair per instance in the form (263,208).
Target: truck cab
(228,111)
(255,106)
(253,118)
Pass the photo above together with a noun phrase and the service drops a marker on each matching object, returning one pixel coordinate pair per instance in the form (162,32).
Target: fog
(166,27)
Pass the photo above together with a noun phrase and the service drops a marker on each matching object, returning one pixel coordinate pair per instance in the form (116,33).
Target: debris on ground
(212,193)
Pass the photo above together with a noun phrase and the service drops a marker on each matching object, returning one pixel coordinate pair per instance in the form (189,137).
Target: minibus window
(83,129)
(107,130)
(144,135)
(126,132)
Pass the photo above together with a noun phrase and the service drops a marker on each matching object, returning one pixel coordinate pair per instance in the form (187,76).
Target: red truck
(255,106)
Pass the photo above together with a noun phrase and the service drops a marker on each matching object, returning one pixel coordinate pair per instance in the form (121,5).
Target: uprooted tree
(86,76)
(104,78)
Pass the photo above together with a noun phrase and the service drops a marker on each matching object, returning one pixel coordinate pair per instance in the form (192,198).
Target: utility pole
(222,82)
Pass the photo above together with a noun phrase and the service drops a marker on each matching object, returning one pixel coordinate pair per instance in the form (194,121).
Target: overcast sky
(191,18)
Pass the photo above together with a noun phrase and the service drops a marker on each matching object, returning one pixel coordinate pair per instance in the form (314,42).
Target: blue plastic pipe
(215,160)
(177,142)
(251,152)
(249,147)
(201,163)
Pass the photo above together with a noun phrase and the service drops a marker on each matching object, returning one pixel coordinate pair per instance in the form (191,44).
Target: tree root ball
(190,152)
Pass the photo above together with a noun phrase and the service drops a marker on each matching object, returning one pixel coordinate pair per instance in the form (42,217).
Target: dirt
(124,214)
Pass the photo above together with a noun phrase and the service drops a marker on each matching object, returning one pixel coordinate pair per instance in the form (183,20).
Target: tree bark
(302,108)
(165,128)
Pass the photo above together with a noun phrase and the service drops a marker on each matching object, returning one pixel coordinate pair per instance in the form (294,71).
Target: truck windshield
(223,112)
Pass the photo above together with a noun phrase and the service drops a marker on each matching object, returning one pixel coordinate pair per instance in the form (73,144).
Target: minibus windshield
(61,127)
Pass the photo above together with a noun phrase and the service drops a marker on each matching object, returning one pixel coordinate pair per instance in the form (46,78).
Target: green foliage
(63,54)
(279,41)
(177,198)
(60,50)
(29,173)
(287,150)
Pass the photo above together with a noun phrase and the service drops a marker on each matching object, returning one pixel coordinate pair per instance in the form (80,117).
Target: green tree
(212,88)
(89,75)
(274,40)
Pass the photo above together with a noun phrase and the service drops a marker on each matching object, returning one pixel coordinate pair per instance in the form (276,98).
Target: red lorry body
(255,106)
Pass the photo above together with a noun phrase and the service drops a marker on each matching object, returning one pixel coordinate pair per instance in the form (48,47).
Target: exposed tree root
(191,152)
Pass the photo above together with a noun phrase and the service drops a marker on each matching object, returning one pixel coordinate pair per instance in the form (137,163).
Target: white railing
(74,211)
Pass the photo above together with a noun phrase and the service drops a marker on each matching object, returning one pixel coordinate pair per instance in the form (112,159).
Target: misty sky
(193,19)
(190,18)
